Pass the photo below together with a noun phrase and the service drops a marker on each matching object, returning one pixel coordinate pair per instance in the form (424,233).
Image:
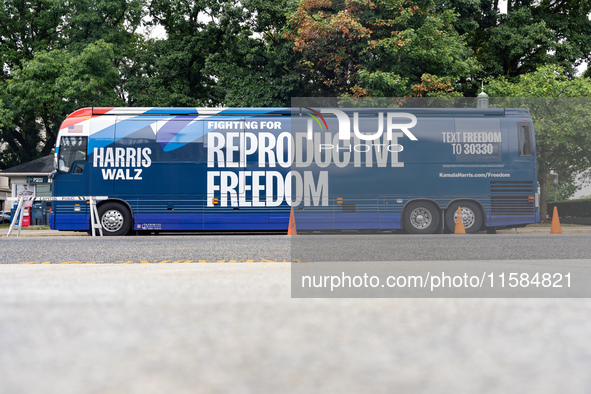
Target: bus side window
(78,168)
(525,141)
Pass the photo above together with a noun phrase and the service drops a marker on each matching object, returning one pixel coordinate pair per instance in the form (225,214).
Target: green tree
(260,68)
(563,191)
(47,88)
(31,26)
(529,35)
(561,111)
(379,48)
(226,53)
(53,54)
(171,71)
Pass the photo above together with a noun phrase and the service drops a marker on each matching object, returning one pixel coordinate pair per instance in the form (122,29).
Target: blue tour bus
(240,169)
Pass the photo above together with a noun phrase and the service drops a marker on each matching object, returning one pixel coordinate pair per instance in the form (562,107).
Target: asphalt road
(244,248)
(233,327)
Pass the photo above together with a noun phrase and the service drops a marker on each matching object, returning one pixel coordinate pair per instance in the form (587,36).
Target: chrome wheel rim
(421,218)
(112,220)
(467,215)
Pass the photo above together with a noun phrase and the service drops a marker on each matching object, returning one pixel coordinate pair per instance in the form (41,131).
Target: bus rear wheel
(115,218)
(471,213)
(421,217)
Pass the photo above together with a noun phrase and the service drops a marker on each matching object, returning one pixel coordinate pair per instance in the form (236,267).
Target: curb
(30,235)
(42,233)
(546,230)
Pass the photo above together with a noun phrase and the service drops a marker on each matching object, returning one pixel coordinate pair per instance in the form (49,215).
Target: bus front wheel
(471,213)
(421,217)
(115,218)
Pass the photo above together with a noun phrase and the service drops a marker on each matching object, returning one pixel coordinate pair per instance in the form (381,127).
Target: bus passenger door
(72,176)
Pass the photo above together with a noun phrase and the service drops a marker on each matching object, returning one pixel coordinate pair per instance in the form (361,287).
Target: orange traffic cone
(555,227)
(291,230)
(460,229)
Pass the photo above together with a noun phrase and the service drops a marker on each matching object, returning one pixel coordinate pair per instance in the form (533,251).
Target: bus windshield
(71,149)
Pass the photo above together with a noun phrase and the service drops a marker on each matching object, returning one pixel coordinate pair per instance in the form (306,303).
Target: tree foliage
(561,110)
(58,55)
(380,47)
(31,26)
(47,87)
(215,53)
(532,33)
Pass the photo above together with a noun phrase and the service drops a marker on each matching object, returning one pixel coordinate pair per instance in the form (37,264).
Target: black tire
(421,217)
(115,218)
(472,213)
